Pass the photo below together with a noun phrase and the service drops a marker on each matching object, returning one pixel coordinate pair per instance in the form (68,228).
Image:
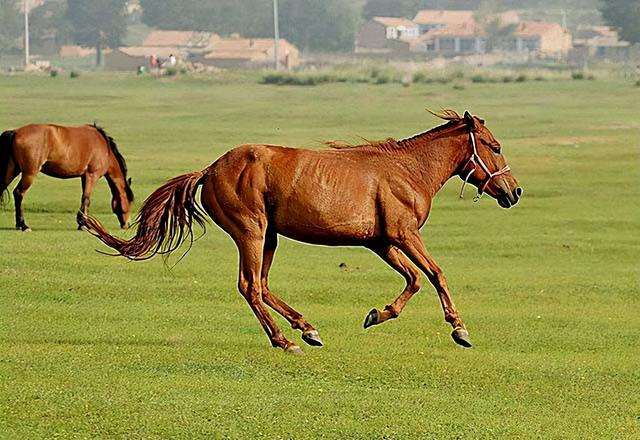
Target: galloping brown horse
(376,195)
(86,152)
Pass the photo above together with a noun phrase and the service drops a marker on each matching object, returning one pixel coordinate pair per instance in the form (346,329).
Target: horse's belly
(329,227)
(61,171)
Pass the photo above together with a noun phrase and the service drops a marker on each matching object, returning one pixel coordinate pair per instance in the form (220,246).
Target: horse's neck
(434,159)
(114,176)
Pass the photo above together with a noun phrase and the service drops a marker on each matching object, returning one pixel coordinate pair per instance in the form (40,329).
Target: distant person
(172,60)
(153,62)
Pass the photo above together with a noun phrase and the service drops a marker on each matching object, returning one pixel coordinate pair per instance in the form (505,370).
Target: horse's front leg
(411,244)
(398,261)
(88,182)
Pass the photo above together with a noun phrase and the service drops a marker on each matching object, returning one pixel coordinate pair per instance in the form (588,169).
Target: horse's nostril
(518,192)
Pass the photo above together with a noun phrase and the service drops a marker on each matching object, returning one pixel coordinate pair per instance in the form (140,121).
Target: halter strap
(477,160)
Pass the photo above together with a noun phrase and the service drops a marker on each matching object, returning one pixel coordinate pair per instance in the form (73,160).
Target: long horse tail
(165,221)
(6,147)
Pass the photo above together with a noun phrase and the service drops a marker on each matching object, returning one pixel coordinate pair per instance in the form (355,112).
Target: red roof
(178,38)
(535,28)
(247,48)
(435,16)
(395,22)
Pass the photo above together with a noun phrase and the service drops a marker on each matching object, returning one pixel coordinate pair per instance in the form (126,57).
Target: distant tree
(49,20)
(97,23)
(10,26)
(497,33)
(389,8)
(309,24)
(246,17)
(327,25)
(623,15)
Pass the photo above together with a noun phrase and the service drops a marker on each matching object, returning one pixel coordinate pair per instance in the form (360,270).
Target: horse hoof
(294,349)
(461,337)
(312,337)
(372,318)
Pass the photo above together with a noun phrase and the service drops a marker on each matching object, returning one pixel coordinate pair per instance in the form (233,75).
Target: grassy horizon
(97,347)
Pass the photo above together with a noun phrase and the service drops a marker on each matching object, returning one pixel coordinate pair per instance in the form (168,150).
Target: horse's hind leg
(26,180)
(88,182)
(250,287)
(297,321)
(397,260)
(10,172)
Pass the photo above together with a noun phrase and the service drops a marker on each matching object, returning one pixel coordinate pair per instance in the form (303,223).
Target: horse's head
(121,204)
(487,168)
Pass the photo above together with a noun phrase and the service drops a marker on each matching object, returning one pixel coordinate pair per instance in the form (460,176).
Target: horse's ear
(129,181)
(468,119)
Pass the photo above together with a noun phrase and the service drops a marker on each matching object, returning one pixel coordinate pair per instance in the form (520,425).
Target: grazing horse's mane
(121,162)
(451,116)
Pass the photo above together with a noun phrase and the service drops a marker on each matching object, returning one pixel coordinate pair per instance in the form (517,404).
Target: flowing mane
(121,162)
(451,116)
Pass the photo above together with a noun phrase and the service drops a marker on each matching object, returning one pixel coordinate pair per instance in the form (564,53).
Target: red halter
(477,160)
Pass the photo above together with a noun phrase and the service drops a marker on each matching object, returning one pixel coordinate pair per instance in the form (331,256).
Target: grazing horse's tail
(165,220)
(6,145)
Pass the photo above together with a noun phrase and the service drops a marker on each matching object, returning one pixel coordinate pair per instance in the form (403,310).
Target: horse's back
(56,150)
(318,196)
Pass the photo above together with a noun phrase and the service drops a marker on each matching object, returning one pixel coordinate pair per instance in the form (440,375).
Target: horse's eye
(495,148)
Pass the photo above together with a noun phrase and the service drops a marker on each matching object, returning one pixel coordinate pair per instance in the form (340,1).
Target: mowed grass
(93,346)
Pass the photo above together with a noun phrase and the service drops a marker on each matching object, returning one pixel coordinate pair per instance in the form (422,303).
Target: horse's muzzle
(509,199)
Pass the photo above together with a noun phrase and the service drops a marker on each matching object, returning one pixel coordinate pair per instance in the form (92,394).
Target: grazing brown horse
(86,152)
(376,195)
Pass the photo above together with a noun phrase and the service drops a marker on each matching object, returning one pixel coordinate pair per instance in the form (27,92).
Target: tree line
(312,25)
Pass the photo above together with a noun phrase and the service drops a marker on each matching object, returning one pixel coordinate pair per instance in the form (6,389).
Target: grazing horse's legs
(397,260)
(297,321)
(88,182)
(26,180)
(11,172)
(413,247)
(250,287)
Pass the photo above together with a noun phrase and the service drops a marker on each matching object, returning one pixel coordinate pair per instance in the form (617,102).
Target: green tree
(328,25)
(10,26)
(319,25)
(389,8)
(49,19)
(97,23)
(497,34)
(623,15)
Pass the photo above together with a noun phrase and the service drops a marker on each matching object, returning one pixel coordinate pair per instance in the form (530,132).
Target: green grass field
(97,347)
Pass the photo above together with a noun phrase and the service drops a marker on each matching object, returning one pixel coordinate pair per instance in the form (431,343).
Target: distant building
(456,39)
(71,50)
(386,35)
(459,33)
(188,40)
(600,42)
(240,52)
(547,39)
(432,19)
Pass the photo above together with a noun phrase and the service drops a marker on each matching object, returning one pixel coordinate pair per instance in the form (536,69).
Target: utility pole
(26,32)
(276,35)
